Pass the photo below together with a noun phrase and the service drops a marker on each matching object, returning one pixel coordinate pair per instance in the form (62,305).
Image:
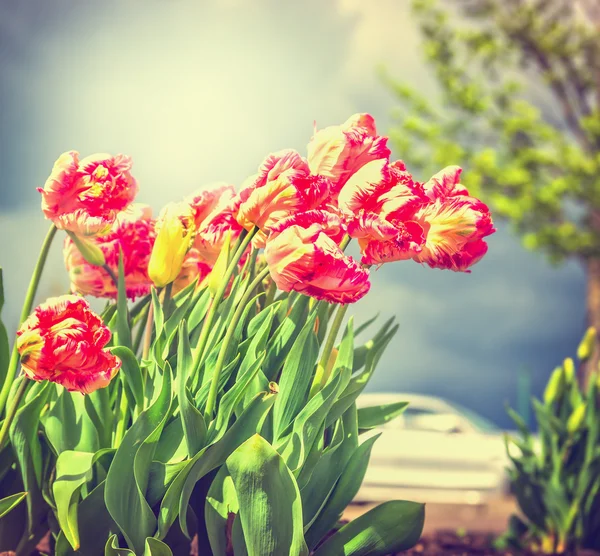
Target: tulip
(63,341)
(133,235)
(175,231)
(303,255)
(337,152)
(282,187)
(85,197)
(205,201)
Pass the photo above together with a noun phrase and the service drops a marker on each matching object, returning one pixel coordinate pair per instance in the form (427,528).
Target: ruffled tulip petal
(132,234)
(302,257)
(451,227)
(339,151)
(446,183)
(86,196)
(282,187)
(63,341)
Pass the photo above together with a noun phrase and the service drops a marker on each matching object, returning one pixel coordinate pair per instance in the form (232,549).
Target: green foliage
(536,163)
(556,475)
(141,466)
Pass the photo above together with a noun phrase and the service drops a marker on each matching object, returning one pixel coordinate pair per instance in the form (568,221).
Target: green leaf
(159,317)
(270,509)
(132,373)
(100,413)
(154,547)
(344,492)
(179,492)
(220,510)
(295,447)
(194,426)
(26,445)
(73,470)
(386,529)
(94,523)
(10,502)
(296,377)
(371,417)
(123,326)
(80,434)
(127,478)
(112,548)
(282,340)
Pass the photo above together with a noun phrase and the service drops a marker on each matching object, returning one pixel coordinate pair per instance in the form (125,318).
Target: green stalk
(27,305)
(214,385)
(12,410)
(216,299)
(167,301)
(322,375)
(121,423)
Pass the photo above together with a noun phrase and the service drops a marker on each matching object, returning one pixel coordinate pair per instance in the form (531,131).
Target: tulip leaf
(159,318)
(282,340)
(94,523)
(220,512)
(192,421)
(73,470)
(128,476)
(112,548)
(178,494)
(200,305)
(26,445)
(132,373)
(296,377)
(358,381)
(345,490)
(154,547)
(11,502)
(386,529)
(371,417)
(270,509)
(80,434)
(123,326)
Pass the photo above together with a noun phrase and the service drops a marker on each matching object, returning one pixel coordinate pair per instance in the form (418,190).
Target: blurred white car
(435,451)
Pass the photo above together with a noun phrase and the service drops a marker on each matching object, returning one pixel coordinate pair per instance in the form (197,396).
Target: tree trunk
(593,317)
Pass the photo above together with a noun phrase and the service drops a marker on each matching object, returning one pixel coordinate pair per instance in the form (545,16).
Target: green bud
(89,251)
(569,367)
(588,344)
(555,386)
(576,418)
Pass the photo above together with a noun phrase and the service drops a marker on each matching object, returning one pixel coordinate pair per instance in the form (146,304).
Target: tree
(520,108)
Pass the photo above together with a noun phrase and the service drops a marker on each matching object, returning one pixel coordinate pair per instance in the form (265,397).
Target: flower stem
(12,410)
(216,299)
(121,423)
(27,305)
(214,385)
(322,375)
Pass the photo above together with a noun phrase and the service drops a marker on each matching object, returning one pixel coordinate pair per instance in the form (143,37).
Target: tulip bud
(576,418)
(587,345)
(569,367)
(555,386)
(90,252)
(217,274)
(175,233)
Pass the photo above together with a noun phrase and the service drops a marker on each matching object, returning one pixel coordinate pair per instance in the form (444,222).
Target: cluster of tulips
(226,303)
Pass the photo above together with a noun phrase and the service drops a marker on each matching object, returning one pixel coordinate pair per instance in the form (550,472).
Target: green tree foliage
(519,109)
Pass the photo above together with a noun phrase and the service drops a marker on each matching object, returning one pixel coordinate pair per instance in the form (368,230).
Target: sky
(201,91)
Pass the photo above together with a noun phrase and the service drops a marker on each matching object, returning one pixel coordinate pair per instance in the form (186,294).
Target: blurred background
(198,92)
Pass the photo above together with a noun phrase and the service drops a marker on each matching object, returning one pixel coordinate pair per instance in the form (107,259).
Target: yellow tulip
(174,236)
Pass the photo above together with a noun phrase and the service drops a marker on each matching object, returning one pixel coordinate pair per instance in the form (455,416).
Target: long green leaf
(270,509)
(220,511)
(128,475)
(123,325)
(10,502)
(132,373)
(296,377)
(386,529)
(375,416)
